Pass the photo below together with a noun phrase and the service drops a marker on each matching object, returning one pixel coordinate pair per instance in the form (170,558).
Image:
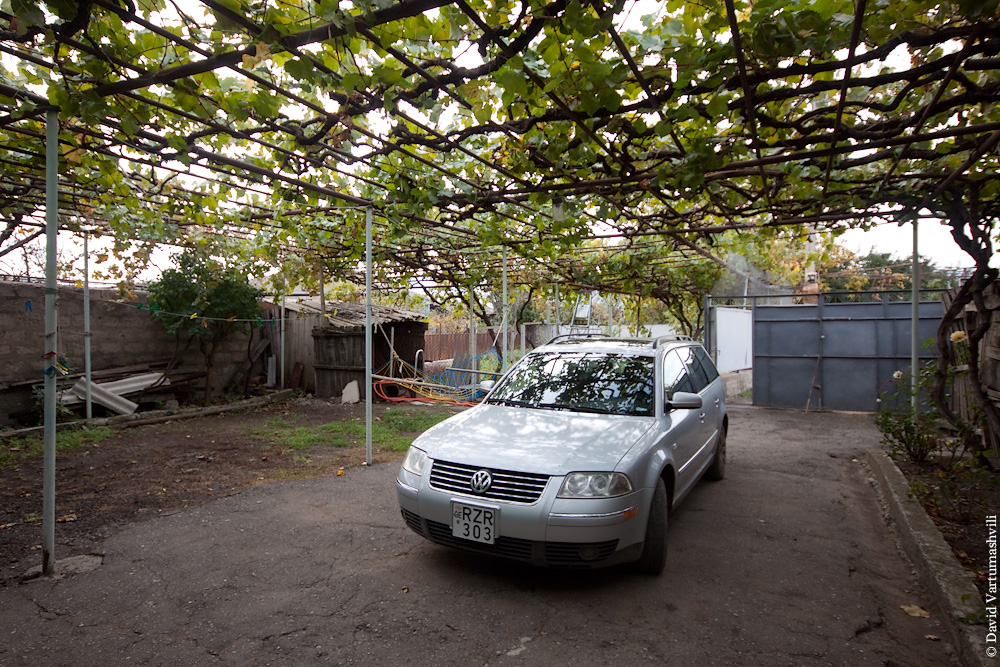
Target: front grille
(505,547)
(515,487)
(570,553)
(563,554)
(413,521)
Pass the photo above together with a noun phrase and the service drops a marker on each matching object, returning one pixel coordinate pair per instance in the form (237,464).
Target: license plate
(473,522)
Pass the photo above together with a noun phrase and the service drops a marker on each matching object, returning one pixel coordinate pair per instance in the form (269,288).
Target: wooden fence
(449,346)
(989,355)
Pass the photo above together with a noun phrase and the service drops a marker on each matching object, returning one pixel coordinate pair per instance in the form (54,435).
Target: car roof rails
(561,337)
(671,338)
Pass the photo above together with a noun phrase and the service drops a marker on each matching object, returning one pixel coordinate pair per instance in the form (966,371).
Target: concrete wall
(121,335)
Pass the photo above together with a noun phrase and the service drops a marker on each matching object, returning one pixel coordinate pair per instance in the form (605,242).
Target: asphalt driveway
(785,562)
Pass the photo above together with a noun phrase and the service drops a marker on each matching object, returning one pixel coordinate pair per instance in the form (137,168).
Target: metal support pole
(51,346)
(558,320)
(504,321)
(708,333)
(914,323)
(322,297)
(86,324)
(281,329)
(368,335)
(472,327)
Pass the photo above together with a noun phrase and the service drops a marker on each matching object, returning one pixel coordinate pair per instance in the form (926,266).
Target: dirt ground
(958,506)
(162,468)
(158,469)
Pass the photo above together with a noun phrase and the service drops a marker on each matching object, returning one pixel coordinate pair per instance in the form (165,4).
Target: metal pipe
(51,346)
(504,321)
(86,324)
(392,350)
(281,330)
(472,327)
(558,321)
(322,297)
(914,323)
(368,335)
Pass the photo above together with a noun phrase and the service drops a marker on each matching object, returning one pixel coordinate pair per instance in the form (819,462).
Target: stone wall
(122,334)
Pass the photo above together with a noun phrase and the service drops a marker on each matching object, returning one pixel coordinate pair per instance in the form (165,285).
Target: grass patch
(16,450)
(270,425)
(395,431)
(415,422)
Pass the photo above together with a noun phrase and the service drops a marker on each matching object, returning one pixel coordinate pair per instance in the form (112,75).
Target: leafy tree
(204,301)
(476,125)
(878,271)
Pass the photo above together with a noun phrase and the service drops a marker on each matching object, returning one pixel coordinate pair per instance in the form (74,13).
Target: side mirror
(487,385)
(684,400)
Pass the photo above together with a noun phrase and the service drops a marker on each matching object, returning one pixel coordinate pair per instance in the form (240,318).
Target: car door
(714,394)
(706,427)
(680,428)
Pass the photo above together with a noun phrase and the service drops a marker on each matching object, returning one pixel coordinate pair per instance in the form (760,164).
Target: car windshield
(583,382)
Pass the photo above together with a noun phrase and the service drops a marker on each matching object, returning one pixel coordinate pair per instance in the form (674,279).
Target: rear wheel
(717,470)
(654,548)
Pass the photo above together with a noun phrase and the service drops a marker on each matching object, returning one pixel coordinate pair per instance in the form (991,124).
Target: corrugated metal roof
(343,314)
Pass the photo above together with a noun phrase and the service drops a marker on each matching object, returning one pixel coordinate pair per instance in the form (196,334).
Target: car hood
(551,442)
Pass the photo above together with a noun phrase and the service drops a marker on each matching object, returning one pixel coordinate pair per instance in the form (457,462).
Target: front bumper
(551,531)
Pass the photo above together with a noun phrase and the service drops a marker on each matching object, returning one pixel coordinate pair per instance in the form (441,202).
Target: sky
(934,242)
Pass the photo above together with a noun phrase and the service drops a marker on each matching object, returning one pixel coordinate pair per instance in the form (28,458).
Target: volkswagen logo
(481,481)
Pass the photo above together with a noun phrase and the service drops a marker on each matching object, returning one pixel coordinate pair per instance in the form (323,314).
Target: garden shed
(328,340)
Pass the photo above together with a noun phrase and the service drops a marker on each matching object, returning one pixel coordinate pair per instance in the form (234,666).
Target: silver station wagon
(576,457)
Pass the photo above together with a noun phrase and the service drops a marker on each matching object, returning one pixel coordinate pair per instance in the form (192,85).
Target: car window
(580,381)
(675,375)
(706,362)
(698,378)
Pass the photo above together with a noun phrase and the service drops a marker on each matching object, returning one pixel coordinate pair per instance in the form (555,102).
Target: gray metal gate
(822,352)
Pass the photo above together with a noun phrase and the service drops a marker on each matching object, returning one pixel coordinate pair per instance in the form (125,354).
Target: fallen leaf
(7,526)
(915,611)
(933,638)
(340,473)
(406,589)
(66,518)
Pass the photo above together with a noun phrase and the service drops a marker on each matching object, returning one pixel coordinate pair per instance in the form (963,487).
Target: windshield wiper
(587,408)
(510,402)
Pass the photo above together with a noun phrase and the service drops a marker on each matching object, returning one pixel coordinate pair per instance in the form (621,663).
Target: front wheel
(654,548)
(717,470)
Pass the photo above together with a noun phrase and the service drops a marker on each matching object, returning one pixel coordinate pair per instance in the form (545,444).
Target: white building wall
(733,333)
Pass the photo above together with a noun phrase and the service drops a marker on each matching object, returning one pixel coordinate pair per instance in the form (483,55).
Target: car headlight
(595,485)
(414,461)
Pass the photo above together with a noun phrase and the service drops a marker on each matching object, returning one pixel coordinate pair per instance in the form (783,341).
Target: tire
(654,548)
(717,470)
